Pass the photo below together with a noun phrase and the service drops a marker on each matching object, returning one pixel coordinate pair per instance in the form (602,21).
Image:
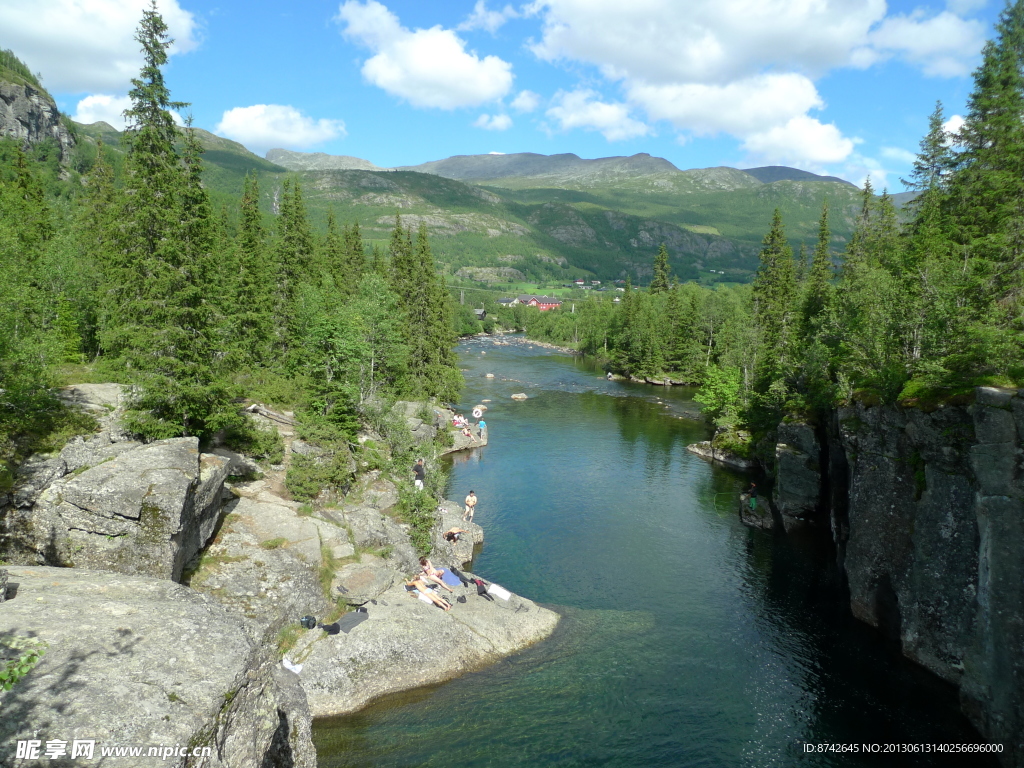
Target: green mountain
(605,216)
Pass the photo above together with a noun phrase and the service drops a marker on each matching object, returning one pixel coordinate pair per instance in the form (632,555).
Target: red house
(542,303)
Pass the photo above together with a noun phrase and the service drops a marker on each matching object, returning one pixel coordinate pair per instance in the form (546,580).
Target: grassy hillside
(570,218)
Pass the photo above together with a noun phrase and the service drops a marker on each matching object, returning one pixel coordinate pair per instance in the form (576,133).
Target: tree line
(919,307)
(138,275)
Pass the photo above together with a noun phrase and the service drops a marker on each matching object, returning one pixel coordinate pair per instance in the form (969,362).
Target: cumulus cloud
(87,47)
(426,67)
(109,109)
(935,44)
(801,140)
(953,125)
(266,126)
(583,109)
(748,69)
(526,101)
(101,106)
(493,122)
(739,108)
(481,18)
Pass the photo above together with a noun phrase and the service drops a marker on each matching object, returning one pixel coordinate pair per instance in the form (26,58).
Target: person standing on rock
(482,425)
(470,507)
(420,473)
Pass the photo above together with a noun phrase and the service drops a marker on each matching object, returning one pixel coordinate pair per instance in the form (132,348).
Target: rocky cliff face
(31,116)
(927,511)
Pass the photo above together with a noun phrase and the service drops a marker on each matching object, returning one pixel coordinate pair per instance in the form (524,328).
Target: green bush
(250,439)
(308,475)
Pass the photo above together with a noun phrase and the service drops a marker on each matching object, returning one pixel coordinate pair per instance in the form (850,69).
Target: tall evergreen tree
(160,327)
(775,312)
(660,281)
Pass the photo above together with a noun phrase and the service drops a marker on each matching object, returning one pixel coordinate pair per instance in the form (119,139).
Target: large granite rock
(406,643)
(264,564)
(29,115)
(934,550)
(798,477)
(136,509)
(140,661)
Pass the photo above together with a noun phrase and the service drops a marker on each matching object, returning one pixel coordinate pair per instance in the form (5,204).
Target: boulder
(519,396)
(461,443)
(406,643)
(131,660)
(142,509)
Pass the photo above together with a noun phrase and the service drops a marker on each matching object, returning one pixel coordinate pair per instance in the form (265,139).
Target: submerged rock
(706,450)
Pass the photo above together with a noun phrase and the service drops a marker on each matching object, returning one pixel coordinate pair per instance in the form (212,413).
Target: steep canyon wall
(927,513)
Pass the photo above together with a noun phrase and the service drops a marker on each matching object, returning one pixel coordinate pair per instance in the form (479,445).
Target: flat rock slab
(139,661)
(406,643)
(358,583)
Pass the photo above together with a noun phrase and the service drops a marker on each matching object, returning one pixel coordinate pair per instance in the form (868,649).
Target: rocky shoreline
(201,659)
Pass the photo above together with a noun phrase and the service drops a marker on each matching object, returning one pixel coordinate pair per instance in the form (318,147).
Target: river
(686,640)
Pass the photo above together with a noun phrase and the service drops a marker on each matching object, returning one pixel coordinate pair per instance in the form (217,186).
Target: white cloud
(740,108)
(101,106)
(481,18)
(87,47)
(109,109)
(800,141)
(581,109)
(267,126)
(426,67)
(748,68)
(937,45)
(953,125)
(493,122)
(526,101)
(899,155)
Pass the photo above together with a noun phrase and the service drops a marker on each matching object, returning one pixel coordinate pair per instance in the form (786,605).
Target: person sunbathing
(421,587)
(430,573)
(452,535)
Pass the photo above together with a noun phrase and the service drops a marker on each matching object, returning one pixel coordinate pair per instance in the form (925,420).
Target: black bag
(308,622)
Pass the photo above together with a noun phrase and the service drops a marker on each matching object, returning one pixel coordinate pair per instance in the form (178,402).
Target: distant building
(480,313)
(595,282)
(579,281)
(540,302)
(507,302)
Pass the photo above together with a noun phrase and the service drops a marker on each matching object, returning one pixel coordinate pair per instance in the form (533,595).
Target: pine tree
(161,326)
(774,297)
(660,281)
(818,292)
(252,308)
(986,202)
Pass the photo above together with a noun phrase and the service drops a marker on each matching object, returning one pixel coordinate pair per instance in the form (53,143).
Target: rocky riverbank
(251,562)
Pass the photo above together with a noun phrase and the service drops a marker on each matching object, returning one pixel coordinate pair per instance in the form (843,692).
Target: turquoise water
(686,639)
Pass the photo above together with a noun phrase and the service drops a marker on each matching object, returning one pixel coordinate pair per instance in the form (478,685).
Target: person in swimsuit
(452,535)
(467,516)
(430,573)
(421,587)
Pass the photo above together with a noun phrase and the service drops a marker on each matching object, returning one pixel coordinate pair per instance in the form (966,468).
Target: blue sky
(836,86)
